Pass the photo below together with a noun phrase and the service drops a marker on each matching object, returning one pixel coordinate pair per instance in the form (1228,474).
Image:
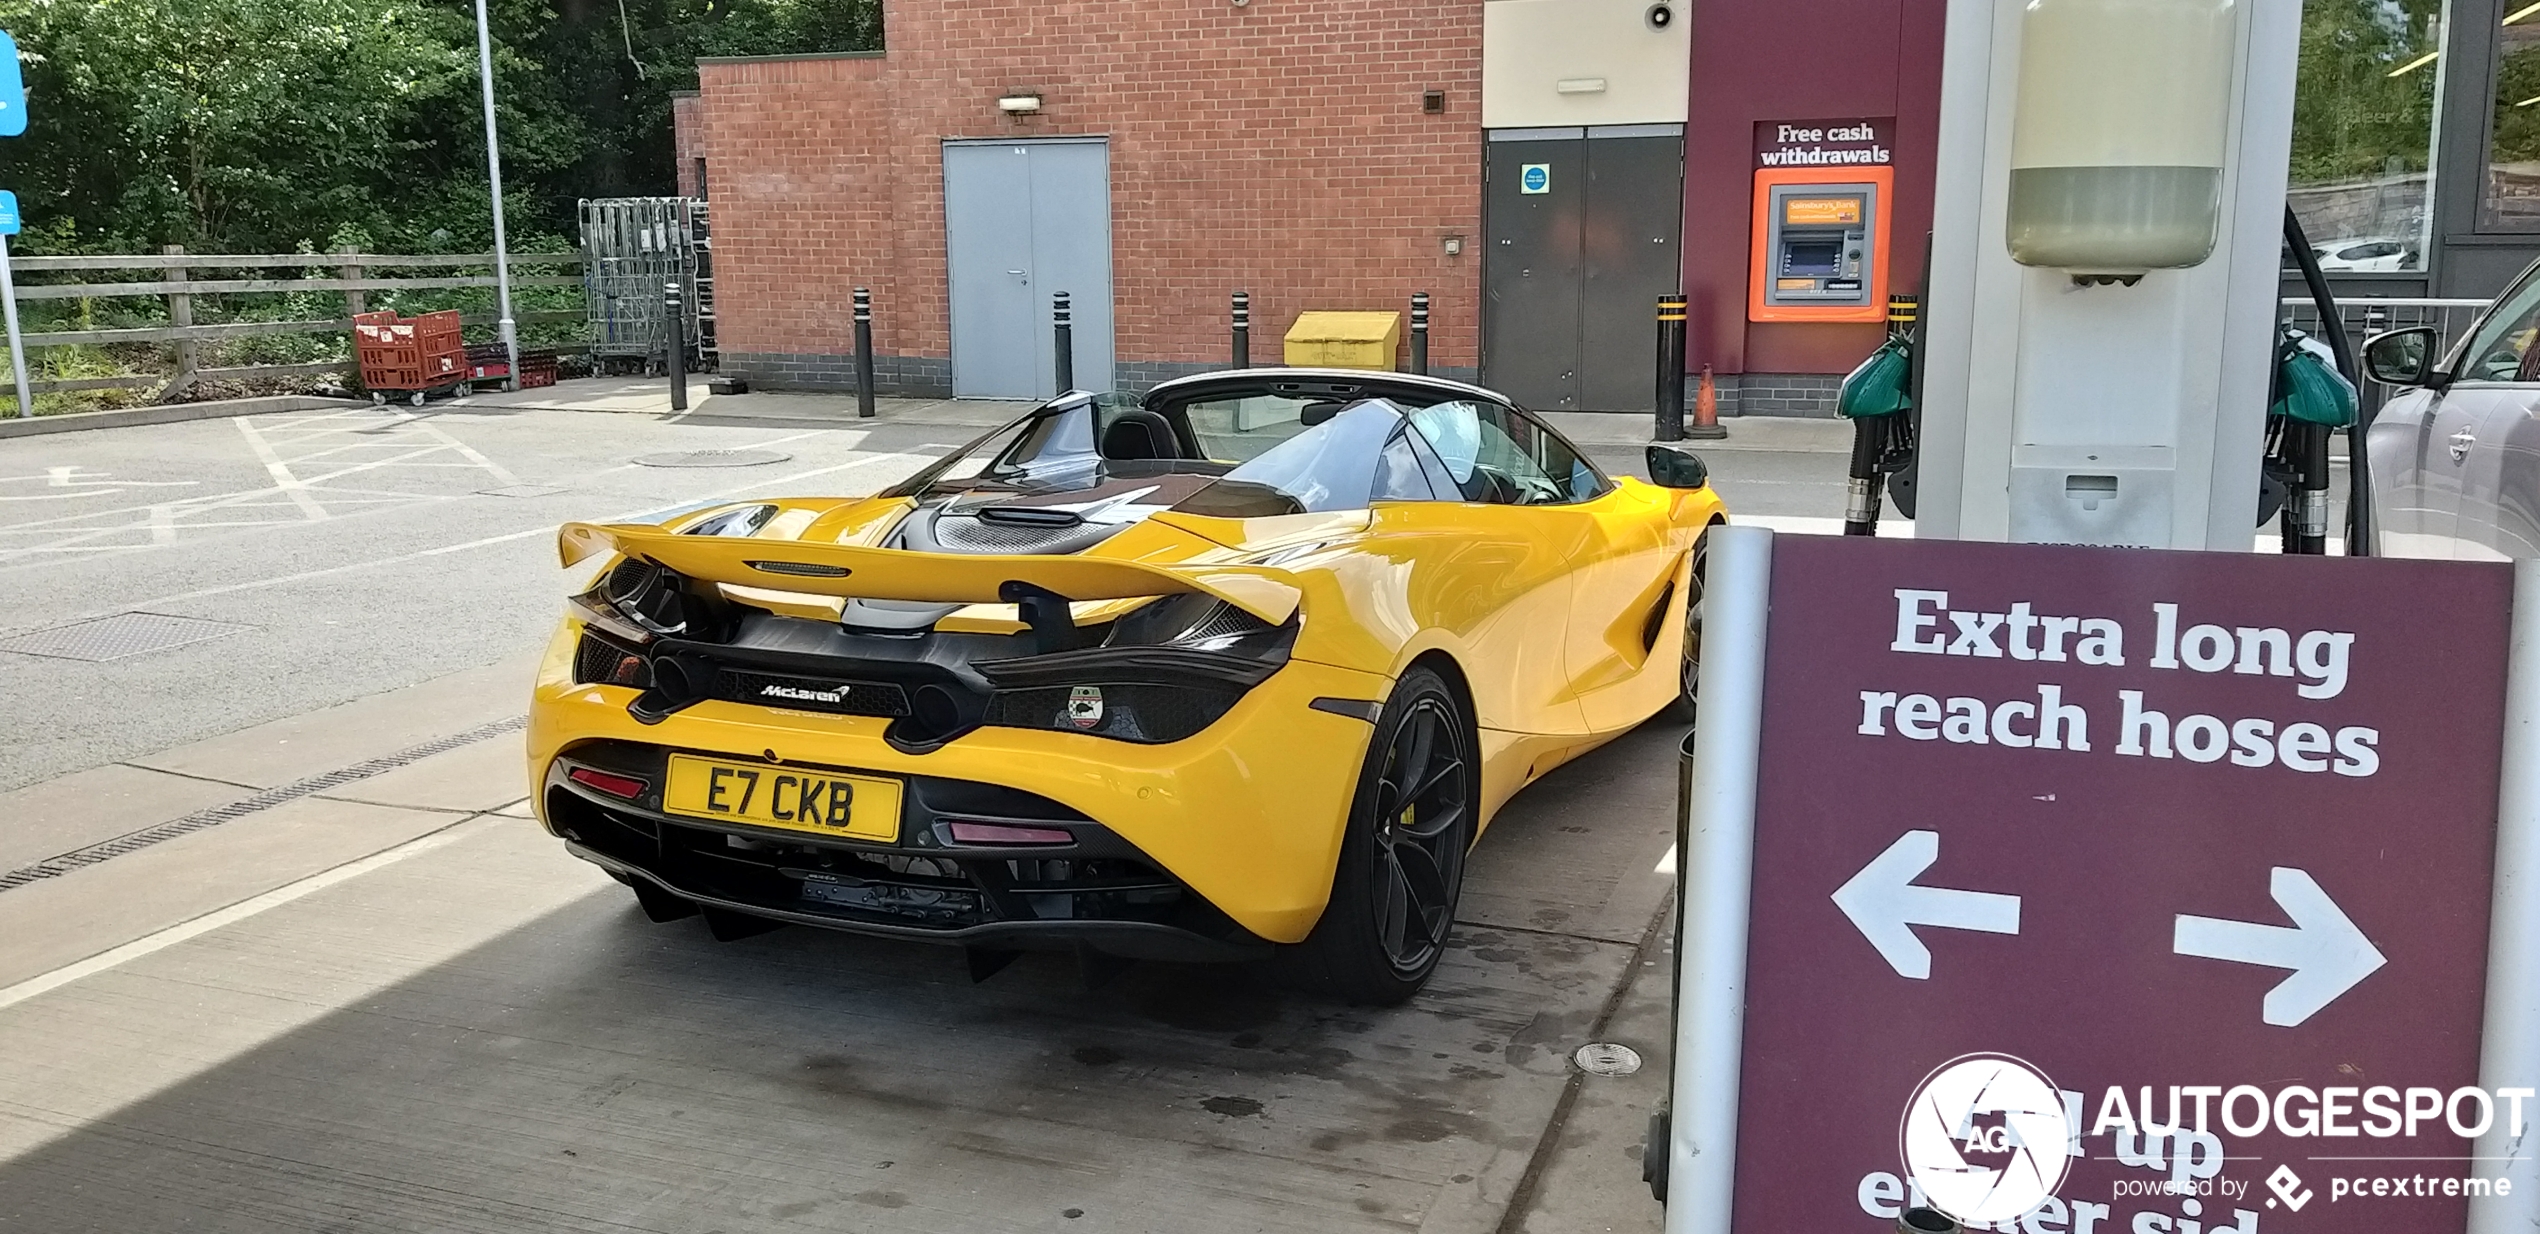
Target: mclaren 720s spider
(1240,669)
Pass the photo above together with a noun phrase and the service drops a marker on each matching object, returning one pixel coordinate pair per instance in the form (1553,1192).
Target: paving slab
(285,751)
(1591,1182)
(51,922)
(1578,851)
(475,778)
(73,811)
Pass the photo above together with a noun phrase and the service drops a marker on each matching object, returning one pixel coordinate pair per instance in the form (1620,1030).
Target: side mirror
(2402,357)
(1674,467)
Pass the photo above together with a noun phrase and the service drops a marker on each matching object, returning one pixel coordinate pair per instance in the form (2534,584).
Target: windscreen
(1330,466)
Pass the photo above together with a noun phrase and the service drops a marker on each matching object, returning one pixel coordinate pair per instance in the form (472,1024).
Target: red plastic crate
(392,378)
(413,353)
(437,332)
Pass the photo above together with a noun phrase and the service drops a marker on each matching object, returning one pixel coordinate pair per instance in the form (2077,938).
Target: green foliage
(2351,118)
(2517,136)
(282,125)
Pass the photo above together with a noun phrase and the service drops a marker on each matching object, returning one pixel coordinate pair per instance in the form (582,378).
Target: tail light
(1007,833)
(626,788)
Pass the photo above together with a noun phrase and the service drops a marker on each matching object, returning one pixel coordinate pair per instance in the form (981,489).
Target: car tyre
(1402,855)
(1689,666)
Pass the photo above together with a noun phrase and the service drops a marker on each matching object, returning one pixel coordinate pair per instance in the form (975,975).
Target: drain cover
(113,638)
(714,458)
(1606,1058)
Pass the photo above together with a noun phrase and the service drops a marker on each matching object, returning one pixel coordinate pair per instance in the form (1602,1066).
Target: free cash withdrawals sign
(1857,141)
(2045,838)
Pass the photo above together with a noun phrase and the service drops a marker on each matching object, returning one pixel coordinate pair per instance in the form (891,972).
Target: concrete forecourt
(278,938)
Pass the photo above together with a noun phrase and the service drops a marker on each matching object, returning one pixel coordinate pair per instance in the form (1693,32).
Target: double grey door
(1023,221)
(1581,241)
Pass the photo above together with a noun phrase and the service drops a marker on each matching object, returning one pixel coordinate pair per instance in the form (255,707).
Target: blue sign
(8,213)
(1535,178)
(12,89)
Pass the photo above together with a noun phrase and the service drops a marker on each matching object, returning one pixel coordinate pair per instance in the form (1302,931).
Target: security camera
(1661,15)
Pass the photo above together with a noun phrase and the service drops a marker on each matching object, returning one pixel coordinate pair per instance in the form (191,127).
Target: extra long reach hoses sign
(2102,891)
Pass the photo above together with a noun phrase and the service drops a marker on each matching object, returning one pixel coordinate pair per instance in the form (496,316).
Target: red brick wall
(1277,147)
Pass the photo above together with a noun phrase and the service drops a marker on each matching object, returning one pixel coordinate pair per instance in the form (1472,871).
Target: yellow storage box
(1344,340)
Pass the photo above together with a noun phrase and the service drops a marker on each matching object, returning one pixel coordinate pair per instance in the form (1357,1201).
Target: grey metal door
(1534,195)
(1635,208)
(1024,220)
(1581,241)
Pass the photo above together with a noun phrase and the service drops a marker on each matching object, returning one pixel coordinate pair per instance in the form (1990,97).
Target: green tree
(272,125)
(2351,117)
(226,123)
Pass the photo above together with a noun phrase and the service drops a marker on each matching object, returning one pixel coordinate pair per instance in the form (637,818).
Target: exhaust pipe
(678,682)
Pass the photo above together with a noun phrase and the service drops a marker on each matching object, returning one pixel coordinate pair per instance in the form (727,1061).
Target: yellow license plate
(793,798)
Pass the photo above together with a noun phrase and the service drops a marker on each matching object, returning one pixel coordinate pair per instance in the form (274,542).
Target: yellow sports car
(1084,685)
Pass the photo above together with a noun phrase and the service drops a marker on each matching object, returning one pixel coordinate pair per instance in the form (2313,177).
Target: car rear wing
(859,572)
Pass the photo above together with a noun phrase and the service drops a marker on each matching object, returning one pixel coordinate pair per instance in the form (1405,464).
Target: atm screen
(1819,211)
(1812,258)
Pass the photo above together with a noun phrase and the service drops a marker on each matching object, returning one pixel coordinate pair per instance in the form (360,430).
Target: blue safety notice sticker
(1534,178)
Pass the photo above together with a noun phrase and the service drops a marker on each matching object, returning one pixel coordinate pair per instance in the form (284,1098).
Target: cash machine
(1820,247)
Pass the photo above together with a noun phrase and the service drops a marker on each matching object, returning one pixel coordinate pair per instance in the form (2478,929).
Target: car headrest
(1136,433)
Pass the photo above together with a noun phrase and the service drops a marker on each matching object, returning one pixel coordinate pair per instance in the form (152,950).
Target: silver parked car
(2456,454)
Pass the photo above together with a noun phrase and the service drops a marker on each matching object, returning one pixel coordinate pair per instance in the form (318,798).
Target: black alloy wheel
(1689,669)
(1402,859)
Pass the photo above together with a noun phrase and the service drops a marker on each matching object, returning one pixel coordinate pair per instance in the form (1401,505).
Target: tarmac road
(280,949)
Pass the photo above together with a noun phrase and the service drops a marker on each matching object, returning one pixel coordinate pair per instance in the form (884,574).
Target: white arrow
(2327,954)
(1883,903)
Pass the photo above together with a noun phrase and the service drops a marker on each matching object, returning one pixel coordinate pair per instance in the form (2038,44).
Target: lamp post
(494,174)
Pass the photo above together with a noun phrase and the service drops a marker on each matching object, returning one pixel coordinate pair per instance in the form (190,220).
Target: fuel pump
(1878,399)
(2307,402)
(2310,401)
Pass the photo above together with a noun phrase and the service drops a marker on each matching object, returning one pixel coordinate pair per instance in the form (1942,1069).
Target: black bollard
(674,337)
(1671,368)
(1243,329)
(863,353)
(1063,329)
(1420,333)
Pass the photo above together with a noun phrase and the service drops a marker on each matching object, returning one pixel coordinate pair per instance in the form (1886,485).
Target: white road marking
(488,541)
(303,456)
(242,910)
(283,480)
(287,444)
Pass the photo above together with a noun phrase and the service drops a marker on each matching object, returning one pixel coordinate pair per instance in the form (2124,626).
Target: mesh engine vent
(629,577)
(596,660)
(1227,619)
(963,532)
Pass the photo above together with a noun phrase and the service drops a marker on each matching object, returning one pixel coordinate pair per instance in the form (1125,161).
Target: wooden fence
(355,274)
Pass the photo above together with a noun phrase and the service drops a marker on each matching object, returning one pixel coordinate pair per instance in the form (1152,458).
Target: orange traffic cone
(1706,410)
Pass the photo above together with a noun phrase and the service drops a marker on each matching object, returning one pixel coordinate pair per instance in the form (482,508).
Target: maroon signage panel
(2136,828)
(1855,141)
